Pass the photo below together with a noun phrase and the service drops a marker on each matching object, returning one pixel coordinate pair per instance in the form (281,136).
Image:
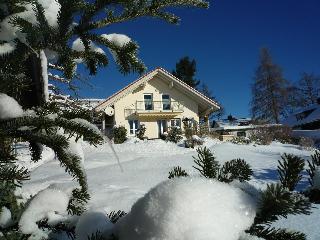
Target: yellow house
(159,101)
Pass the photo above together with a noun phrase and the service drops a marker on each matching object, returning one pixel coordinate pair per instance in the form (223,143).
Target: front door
(162,127)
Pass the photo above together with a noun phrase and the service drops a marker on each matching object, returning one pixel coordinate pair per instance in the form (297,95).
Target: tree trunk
(34,97)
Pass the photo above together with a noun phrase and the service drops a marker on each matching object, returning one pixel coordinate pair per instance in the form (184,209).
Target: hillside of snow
(146,164)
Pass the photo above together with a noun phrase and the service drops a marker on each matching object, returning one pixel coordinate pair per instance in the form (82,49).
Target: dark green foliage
(35,150)
(21,78)
(276,234)
(235,169)
(313,164)
(44,130)
(89,16)
(115,216)
(277,201)
(174,135)
(177,172)
(206,163)
(289,170)
(96,236)
(313,193)
(185,71)
(141,131)
(119,134)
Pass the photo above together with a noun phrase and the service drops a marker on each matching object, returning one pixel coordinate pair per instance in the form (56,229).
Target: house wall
(157,87)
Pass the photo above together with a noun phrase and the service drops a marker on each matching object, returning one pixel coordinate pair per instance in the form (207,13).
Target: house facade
(158,100)
(306,122)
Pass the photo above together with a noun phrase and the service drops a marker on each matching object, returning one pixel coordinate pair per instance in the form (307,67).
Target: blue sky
(225,41)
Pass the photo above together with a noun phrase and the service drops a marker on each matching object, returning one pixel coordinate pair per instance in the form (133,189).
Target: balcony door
(148,101)
(166,103)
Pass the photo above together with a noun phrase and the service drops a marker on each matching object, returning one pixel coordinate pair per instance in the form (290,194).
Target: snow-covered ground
(145,164)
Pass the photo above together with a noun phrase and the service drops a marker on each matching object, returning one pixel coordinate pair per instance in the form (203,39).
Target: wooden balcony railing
(155,107)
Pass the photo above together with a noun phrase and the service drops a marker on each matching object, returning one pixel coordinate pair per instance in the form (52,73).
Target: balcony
(155,108)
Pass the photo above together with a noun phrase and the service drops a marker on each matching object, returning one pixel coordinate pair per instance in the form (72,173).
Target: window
(134,125)
(176,122)
(166,104)
(148,103)
(241,134)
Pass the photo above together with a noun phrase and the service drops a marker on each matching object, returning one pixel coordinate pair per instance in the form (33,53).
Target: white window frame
(145,102)
(168,102)
(135,127)
(175,122)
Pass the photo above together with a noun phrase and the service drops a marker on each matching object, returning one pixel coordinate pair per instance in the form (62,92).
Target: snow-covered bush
(119,134)
(240,140)
(236,169)
(189,208)
(306,143)
(278,200)
(264,135)
(174,134)
(194,141)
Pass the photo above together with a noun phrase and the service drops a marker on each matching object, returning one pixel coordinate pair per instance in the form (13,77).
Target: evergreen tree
(186,71)
(69,38)
(235,169)
(269,90)
(278,200)
(206,91)
(206,163)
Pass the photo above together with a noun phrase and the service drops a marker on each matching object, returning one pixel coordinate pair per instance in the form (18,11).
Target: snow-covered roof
(238,124)
(306,115)
(89,103)
(149,76)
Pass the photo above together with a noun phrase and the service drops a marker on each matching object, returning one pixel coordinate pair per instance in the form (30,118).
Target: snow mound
(91,223)
(189,209)
(9,107)
(5,217)
(48,203)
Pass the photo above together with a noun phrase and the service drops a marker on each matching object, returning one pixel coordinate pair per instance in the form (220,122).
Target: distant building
(89,103)
(307,118)
(306,122)
(233,127)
